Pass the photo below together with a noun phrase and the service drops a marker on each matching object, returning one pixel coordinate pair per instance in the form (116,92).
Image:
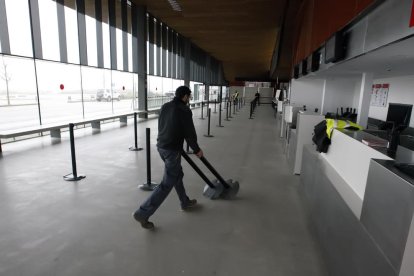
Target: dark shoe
(144,222)
(190,204)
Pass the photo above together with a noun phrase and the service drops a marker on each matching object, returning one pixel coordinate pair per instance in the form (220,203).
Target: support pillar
(364,101)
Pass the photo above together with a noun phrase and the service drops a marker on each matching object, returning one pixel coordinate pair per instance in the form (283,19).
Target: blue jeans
(173,177)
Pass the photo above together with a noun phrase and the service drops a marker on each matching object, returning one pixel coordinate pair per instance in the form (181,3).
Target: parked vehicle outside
(106,95)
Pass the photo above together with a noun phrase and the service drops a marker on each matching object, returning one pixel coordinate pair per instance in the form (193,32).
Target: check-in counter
(301,136)
(350,158)
(361,205)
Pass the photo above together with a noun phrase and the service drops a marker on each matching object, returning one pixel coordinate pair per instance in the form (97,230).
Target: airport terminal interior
(302,109)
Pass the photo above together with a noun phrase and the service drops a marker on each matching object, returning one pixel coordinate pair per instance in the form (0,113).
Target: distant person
(257,97)
(281,95)
(175,124)
(235,97)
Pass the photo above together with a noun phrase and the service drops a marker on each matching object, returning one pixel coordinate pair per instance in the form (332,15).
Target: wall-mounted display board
(379,94)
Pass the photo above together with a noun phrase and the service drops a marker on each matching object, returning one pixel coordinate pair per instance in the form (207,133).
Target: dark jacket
(320,137)
(176,124)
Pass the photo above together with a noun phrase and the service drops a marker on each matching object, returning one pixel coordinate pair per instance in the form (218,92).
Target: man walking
(174,125)
(257,96)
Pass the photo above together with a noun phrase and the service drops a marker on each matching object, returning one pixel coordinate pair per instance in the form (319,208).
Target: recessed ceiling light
(175,6)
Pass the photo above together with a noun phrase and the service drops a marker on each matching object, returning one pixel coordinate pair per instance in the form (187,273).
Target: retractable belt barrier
(149,185)
(74,175)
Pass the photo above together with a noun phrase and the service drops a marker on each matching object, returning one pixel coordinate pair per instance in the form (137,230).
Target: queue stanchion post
(135,147)
(202,111)
(74,175)
(208,125)
(149,185)
(227,112)
(251,110)
(220,125)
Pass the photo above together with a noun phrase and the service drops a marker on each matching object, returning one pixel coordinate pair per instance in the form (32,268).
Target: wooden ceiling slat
(241,33)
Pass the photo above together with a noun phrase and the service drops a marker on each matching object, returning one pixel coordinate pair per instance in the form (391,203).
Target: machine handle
(197,169)
(216,174)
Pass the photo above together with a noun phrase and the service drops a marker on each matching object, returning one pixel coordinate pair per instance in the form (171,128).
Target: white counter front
(350,159)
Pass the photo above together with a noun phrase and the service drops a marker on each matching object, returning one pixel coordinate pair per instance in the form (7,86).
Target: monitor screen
(330,49)
(296,71)
(334,48)
(316,59)
(400,114)
(304,67)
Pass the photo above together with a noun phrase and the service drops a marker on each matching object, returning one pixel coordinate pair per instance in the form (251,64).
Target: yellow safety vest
(331,124)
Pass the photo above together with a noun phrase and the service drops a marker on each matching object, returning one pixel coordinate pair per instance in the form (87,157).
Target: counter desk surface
(403,155)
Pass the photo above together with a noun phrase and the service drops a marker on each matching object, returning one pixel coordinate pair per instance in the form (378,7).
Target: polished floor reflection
(52,227)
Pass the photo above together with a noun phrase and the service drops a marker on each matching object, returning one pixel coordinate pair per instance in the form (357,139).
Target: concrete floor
(52,227)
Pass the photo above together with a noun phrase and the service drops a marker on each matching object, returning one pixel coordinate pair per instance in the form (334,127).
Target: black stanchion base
(148,186)
(135,149)
(202,118)
(251,118)
(71,177)
(207,135)
(220,125)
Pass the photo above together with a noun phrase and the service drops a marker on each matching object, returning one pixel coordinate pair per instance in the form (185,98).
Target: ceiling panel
(241,33)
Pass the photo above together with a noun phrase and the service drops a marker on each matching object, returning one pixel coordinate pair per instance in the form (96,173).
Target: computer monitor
(304,68)
(400,114)
(296,71)
(335,48)
(314,61)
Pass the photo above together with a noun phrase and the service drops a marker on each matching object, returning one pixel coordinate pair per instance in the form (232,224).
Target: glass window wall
(97,95)
(214,93)
(123,90)
(198,91)
(68,92)
(167,87)
(91,38)
(19,27)
(224,92)
(155,91)
(176,84)
(49,29)
(18,97)
(60,91)
(105,34)
(71,24)
(129,36)
(119,45)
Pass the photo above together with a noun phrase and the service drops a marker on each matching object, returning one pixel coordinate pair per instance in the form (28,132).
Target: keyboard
(407,168)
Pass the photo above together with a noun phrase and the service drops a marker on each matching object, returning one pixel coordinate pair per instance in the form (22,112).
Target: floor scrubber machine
(218,188)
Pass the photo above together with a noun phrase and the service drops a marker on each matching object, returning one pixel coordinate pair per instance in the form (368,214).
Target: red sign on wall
(412,16)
